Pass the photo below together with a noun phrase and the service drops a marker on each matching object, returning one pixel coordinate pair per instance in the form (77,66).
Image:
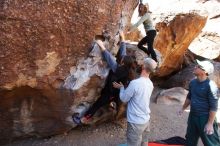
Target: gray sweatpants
(136,135)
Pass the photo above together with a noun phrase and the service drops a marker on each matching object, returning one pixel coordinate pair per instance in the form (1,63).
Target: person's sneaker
(86,119)
(76,119)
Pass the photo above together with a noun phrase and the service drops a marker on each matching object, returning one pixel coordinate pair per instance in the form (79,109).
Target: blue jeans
(110,59)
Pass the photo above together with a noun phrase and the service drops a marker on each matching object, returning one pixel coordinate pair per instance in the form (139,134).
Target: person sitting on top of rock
(149,28)
(121,71)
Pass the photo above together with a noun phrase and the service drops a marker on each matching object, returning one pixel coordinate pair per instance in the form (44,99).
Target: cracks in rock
(215,17)
(202,1)
(86,68)
(5,18)
(92,64)
(2,2)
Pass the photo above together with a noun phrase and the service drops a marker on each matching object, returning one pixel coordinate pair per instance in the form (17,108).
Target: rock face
(172,40)
(41,40)
(175,34)
(183,78)
(173,96)
(45,45)
(206,43)
(32,112)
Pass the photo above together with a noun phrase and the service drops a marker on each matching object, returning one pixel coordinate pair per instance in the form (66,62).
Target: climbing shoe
(86,119)
(76,119)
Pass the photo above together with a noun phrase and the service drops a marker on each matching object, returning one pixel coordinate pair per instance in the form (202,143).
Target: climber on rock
(122,70)
(146,19)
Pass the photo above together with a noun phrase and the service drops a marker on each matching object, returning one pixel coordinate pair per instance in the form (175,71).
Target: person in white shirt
(146,19)
(137,95)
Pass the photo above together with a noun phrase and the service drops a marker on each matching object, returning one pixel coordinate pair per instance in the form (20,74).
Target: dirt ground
(164,124)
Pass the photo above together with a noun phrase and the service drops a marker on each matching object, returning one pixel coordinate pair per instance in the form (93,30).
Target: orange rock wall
(42,43)
(41,40)
(174,37)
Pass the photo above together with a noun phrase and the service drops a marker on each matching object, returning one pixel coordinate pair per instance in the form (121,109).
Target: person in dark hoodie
(121,70)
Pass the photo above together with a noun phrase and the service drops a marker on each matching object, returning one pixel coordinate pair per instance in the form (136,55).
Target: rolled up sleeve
(213,96)
(128,93)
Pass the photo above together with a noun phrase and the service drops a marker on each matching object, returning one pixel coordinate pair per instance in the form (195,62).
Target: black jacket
(121,75)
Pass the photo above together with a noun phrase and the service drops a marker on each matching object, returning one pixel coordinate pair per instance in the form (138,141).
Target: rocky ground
(164,124)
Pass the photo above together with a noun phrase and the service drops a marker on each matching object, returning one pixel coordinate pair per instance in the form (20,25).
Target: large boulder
(41,40)
(172,96)
(174,37)
(26,112)
(182,78)
(45,45)
(206,43)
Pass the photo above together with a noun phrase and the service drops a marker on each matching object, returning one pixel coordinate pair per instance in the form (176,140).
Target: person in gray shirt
(137,95)
(203,101)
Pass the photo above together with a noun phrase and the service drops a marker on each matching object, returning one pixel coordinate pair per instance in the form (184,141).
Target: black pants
(149,39)
(195,129)
(101,101)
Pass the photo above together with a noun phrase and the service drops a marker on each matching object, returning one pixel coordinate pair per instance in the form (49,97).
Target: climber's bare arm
(122,36)
(101,45)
